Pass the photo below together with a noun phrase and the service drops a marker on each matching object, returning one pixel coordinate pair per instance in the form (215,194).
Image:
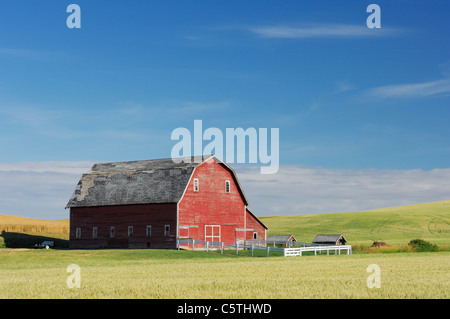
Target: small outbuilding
(330,239)
(280,238)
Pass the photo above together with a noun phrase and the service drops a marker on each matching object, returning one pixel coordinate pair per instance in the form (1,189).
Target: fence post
(221,247)
(207,246)
(193,243)
(268,249)
(252,250)
(237,246)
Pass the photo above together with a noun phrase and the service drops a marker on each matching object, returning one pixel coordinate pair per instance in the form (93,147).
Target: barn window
(255,235)
(195,184)
(94,232)
(148,231)
(166,230)
(130,231)
(112,232)
(227,187)
(78,232)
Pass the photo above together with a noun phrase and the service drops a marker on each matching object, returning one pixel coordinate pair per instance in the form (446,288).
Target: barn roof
(138,182)
(280,237)
(328,238)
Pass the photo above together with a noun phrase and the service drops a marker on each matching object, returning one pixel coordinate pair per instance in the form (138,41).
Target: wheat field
(175,274)
(16,224)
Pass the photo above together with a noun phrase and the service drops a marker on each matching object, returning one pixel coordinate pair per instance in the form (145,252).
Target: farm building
(280,238)
(149,204)
(329,239)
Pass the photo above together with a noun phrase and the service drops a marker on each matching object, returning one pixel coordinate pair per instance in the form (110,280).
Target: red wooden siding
(257,227)
(215,212)
(120,217)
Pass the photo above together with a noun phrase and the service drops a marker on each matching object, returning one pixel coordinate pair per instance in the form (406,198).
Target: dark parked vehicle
(45,244)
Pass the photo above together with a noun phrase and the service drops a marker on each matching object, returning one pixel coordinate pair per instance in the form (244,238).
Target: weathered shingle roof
(327,238)
(137,182)
(280,237)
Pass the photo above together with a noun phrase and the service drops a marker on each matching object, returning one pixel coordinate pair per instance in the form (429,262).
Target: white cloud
(42,189)
(411,90)
(39,189)
(297,189)
(41,167)
(319,31)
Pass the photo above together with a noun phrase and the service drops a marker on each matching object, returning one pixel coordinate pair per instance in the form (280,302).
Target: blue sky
(343,96)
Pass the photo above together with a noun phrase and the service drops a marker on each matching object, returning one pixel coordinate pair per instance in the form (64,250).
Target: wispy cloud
(42,189)
(39,189)
(412,90)
(42,167)
(297,189)
(318,31)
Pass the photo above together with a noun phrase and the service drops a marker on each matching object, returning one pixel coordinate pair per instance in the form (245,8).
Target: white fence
(297,251)
(333,248)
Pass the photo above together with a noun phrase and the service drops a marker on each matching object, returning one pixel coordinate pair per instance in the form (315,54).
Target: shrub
(422,245)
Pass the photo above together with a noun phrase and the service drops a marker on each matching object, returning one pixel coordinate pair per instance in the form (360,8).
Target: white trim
(187,185)
(235,176)
(148,234)
(177,230)
(212,235)
(218,160)
(227,186)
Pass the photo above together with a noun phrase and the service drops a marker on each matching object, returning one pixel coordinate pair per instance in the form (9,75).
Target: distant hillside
(394,225)
(30,225)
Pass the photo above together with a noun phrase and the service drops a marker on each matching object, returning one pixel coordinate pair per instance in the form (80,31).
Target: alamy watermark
(374,280)
(235,145)
(74,279)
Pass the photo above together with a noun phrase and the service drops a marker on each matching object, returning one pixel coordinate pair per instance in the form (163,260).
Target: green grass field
(28,273)
(395,225)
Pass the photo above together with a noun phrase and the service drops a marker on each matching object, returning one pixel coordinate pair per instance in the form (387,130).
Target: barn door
(212,233)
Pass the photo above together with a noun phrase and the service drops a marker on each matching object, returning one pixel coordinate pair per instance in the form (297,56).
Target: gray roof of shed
(323,238)
(280,237)
(137,182)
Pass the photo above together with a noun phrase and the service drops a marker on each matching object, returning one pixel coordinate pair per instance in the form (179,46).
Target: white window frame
(255,235)
(94,232)
(112,232)
(227,187)
(148,231)
(78,232)
(166,230)
(130,231)
(212,237)
(196,185)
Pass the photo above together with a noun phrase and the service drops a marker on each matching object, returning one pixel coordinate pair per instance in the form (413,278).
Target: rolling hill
(394,225)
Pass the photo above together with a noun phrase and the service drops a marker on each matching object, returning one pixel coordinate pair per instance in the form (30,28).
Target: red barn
(149,204)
